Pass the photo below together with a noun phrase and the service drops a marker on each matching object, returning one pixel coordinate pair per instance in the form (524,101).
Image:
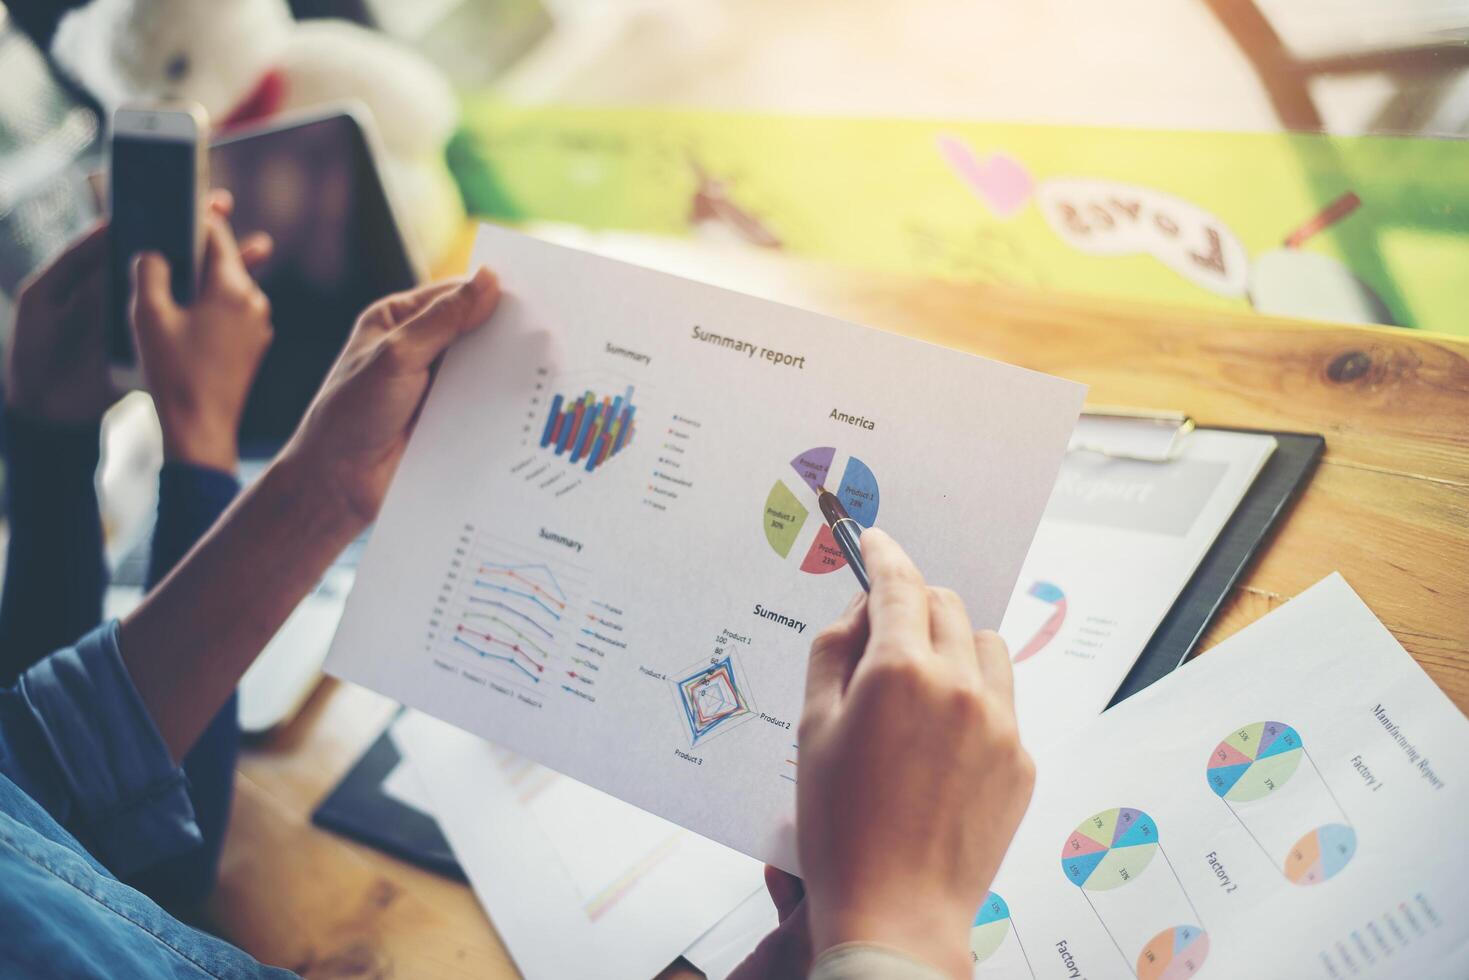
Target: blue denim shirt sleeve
(76,737)
(190,499)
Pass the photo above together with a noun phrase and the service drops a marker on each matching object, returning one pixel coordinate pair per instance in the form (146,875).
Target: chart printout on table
(577,883)
(604,548)
(1117,544)
(1289,805)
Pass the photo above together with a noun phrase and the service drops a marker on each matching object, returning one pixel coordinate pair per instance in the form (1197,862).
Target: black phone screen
(153,210)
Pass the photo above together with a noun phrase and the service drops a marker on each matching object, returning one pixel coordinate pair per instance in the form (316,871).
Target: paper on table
(716,953)
(724,947)
(603,547)
(1119,540)
(577,883)
(404,784)
(1290,805)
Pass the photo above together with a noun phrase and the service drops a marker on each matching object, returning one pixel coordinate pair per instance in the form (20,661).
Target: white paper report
(604,549)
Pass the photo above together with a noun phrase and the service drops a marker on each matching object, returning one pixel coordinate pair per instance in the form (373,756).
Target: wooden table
(1389,508)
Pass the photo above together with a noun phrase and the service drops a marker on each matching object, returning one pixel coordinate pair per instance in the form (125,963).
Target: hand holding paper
(359,425)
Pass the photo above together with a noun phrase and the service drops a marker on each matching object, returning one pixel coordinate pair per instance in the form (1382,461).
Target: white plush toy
(245,60)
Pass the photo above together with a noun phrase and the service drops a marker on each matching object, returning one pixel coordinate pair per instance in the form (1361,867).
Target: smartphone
(159,176)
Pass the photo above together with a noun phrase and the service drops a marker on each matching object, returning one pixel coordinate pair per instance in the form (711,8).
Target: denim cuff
(128,798)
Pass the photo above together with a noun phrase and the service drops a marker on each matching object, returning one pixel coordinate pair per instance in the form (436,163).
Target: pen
(846,531)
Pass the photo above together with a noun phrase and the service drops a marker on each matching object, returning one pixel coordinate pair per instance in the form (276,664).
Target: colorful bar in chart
(588,431)
(552,421)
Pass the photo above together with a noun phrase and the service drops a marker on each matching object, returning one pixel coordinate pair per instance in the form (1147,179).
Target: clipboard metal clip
(1131,433)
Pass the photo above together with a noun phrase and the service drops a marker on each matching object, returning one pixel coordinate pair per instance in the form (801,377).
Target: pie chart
(1255,761)
(1173,954)
(1321,854)
(790,504)
(991,926)
(1035,616)
(1109,849)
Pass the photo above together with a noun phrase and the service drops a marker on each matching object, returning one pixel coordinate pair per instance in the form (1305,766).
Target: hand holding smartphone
(159,176)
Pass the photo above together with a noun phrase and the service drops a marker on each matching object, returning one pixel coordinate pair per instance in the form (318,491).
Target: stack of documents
(1273,809)
(578,883)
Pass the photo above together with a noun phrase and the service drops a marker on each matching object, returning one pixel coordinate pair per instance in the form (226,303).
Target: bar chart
(587,430)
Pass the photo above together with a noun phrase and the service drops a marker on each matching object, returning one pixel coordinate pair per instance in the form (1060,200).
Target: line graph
(512,647)
(514,571)
(511,610)
(553,613)
(524,638)
(516,616)
(497,656)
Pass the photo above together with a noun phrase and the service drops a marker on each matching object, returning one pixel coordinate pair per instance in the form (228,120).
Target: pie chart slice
(991,926)
(1254,761)
(824,555)
(784,518)
(1044,611)
(1321,854)
(1109,849)
(858,492)
(1173,954)
(814,464)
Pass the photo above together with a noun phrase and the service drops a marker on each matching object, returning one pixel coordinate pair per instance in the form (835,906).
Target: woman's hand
(355,432)
(913,779)
(785,953)
(58,353)
(199,360)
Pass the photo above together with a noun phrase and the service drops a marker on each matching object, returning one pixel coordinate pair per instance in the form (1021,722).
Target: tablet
(314,184)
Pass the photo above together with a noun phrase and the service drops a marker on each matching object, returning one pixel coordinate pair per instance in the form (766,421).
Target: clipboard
(358,808)
(1244,535)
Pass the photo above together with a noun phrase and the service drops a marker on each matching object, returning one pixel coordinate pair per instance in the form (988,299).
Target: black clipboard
(358,808)
(1245,533)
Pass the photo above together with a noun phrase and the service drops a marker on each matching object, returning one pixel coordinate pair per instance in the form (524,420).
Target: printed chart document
(1119,540)
(604,548)
(1289,805)
(577,883)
